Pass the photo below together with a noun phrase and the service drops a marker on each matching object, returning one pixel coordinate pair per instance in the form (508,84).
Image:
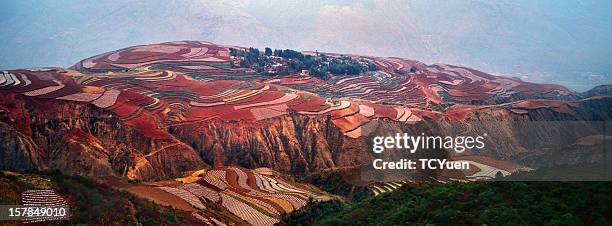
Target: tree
(372,67)
(413,69)
(243,63)
(499,175)
(278,52)
(288,53)
(268,51)
(254,51)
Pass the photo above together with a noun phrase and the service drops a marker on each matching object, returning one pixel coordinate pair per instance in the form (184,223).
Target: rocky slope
(83,140)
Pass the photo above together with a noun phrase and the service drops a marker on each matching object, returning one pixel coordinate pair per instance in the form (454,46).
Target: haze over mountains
(566,42)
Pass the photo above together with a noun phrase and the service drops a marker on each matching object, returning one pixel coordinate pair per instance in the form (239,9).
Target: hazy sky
(564,42)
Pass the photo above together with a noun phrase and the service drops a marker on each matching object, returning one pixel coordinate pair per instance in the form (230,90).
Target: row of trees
(321,66)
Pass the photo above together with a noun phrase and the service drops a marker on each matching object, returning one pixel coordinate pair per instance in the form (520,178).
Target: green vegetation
(283,62)
(306,97)
(384,79)
(482,203)
(246,85)
(268,52)
(413,69)
(336,182)
(90,202)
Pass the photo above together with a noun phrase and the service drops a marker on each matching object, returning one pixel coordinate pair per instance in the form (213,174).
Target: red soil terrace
(149,86)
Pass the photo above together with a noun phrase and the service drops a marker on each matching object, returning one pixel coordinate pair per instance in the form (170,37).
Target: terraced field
(481,168)
(204,56)
(415,84)
(183,82)
(46,198)
(256,198)
(150,99)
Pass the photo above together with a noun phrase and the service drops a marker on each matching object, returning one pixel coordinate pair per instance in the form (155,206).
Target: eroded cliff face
(291,144)
(18,150)
(538,133)
(527,133)
(83,140)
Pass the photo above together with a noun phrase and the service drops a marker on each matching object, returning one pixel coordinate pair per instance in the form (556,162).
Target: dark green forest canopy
(491,203)
(318,65)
